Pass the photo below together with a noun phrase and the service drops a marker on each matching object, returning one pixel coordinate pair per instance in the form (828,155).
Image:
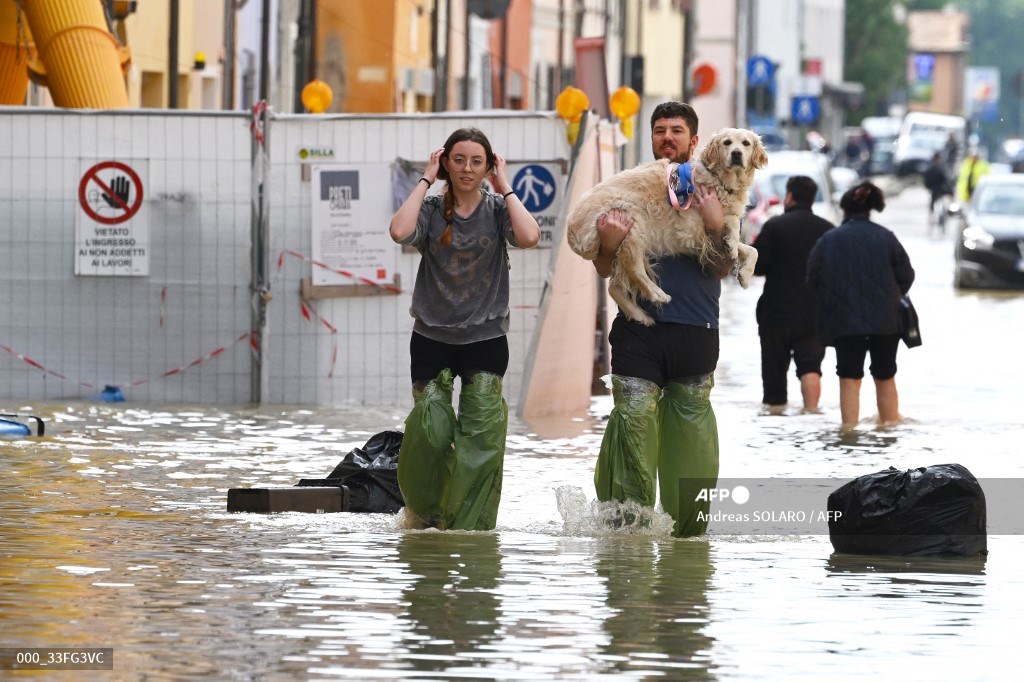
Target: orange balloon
(624,102)
(317,96)
(704,78)
(571,104)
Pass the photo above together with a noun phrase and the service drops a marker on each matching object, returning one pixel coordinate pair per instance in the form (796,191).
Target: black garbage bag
(371,475)
(928,511)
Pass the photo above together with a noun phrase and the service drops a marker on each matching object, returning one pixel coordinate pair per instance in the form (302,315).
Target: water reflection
(926,566)
(659,594)
(452,603)
(952,591)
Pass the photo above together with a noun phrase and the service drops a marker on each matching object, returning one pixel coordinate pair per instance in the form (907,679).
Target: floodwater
(114,534)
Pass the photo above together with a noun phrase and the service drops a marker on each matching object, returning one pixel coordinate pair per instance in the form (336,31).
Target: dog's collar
(679,178)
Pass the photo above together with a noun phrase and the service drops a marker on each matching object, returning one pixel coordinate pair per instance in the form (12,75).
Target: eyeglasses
(460,162)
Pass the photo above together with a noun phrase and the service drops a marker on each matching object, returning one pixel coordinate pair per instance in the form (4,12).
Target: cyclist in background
(936,181)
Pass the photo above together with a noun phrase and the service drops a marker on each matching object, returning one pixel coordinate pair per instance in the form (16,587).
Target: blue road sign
(535,187)
(924,65)
(760,71)
(806,109)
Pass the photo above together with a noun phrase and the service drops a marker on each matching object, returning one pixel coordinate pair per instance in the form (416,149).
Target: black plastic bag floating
(371,475)
(929,511)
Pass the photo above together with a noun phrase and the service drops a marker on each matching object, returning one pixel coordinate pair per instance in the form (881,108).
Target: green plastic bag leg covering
(423,459)
(689,452)
(628,461)
(470,500)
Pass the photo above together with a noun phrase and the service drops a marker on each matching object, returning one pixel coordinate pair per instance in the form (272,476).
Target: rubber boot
(471,498)
(628,461)
(689,452)
(423,459)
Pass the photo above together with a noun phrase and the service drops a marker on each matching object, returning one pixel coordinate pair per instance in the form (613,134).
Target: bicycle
(943,209)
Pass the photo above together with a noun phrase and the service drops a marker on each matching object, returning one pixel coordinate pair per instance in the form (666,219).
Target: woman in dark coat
(858,273)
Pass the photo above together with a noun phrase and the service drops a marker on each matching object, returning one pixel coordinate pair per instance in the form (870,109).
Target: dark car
(990,250)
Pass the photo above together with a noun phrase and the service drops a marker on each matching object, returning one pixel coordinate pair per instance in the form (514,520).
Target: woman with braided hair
(450,468)
(858,272)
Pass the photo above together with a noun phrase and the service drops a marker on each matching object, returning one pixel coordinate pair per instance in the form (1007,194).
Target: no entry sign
(112,227)
(110,192)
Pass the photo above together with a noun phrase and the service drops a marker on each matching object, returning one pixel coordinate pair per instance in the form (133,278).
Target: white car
(921,135)
(770,188)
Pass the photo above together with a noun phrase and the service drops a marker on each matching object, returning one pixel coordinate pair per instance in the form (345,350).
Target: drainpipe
(688,36)
(303,54)
(265,52)
(172,57)
(742,56)
(227,101)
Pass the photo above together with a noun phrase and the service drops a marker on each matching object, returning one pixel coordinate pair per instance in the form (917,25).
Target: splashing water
(590,518)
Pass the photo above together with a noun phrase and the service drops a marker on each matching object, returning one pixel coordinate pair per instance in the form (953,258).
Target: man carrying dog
(662,427)
(786,321)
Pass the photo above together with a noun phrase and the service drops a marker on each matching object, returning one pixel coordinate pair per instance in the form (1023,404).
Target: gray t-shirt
(461,292)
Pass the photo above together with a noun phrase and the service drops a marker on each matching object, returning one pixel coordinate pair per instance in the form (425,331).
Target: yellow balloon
(317,96)
(624,102)
(571,103)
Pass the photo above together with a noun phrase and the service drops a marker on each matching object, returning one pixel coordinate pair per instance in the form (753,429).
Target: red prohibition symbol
(115,195)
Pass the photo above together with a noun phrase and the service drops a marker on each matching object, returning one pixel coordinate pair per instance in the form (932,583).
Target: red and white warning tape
(253,343)
(307,311)
(258,110)
(343,273)
(251,335)
(33,363)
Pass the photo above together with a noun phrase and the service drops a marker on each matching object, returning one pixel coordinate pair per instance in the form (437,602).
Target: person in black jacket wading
(858,273)
(785,311)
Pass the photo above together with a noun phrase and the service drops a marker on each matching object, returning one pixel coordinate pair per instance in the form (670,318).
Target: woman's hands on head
(499,179)
(434,165)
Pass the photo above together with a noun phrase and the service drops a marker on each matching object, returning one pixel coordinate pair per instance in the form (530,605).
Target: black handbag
(910,329)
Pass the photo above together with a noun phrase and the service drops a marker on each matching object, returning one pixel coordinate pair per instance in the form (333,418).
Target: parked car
(921,135)
(1011,150)
(883,131)
(843,178)
(990,249)
(770,188)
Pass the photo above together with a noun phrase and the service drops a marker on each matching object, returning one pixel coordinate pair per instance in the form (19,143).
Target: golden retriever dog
(726,166)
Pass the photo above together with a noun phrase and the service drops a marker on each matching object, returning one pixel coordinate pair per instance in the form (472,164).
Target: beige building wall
(457,32)
(207,37)
(662,40)
(413,58)
(147,31)
(715,33)
(943,34)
